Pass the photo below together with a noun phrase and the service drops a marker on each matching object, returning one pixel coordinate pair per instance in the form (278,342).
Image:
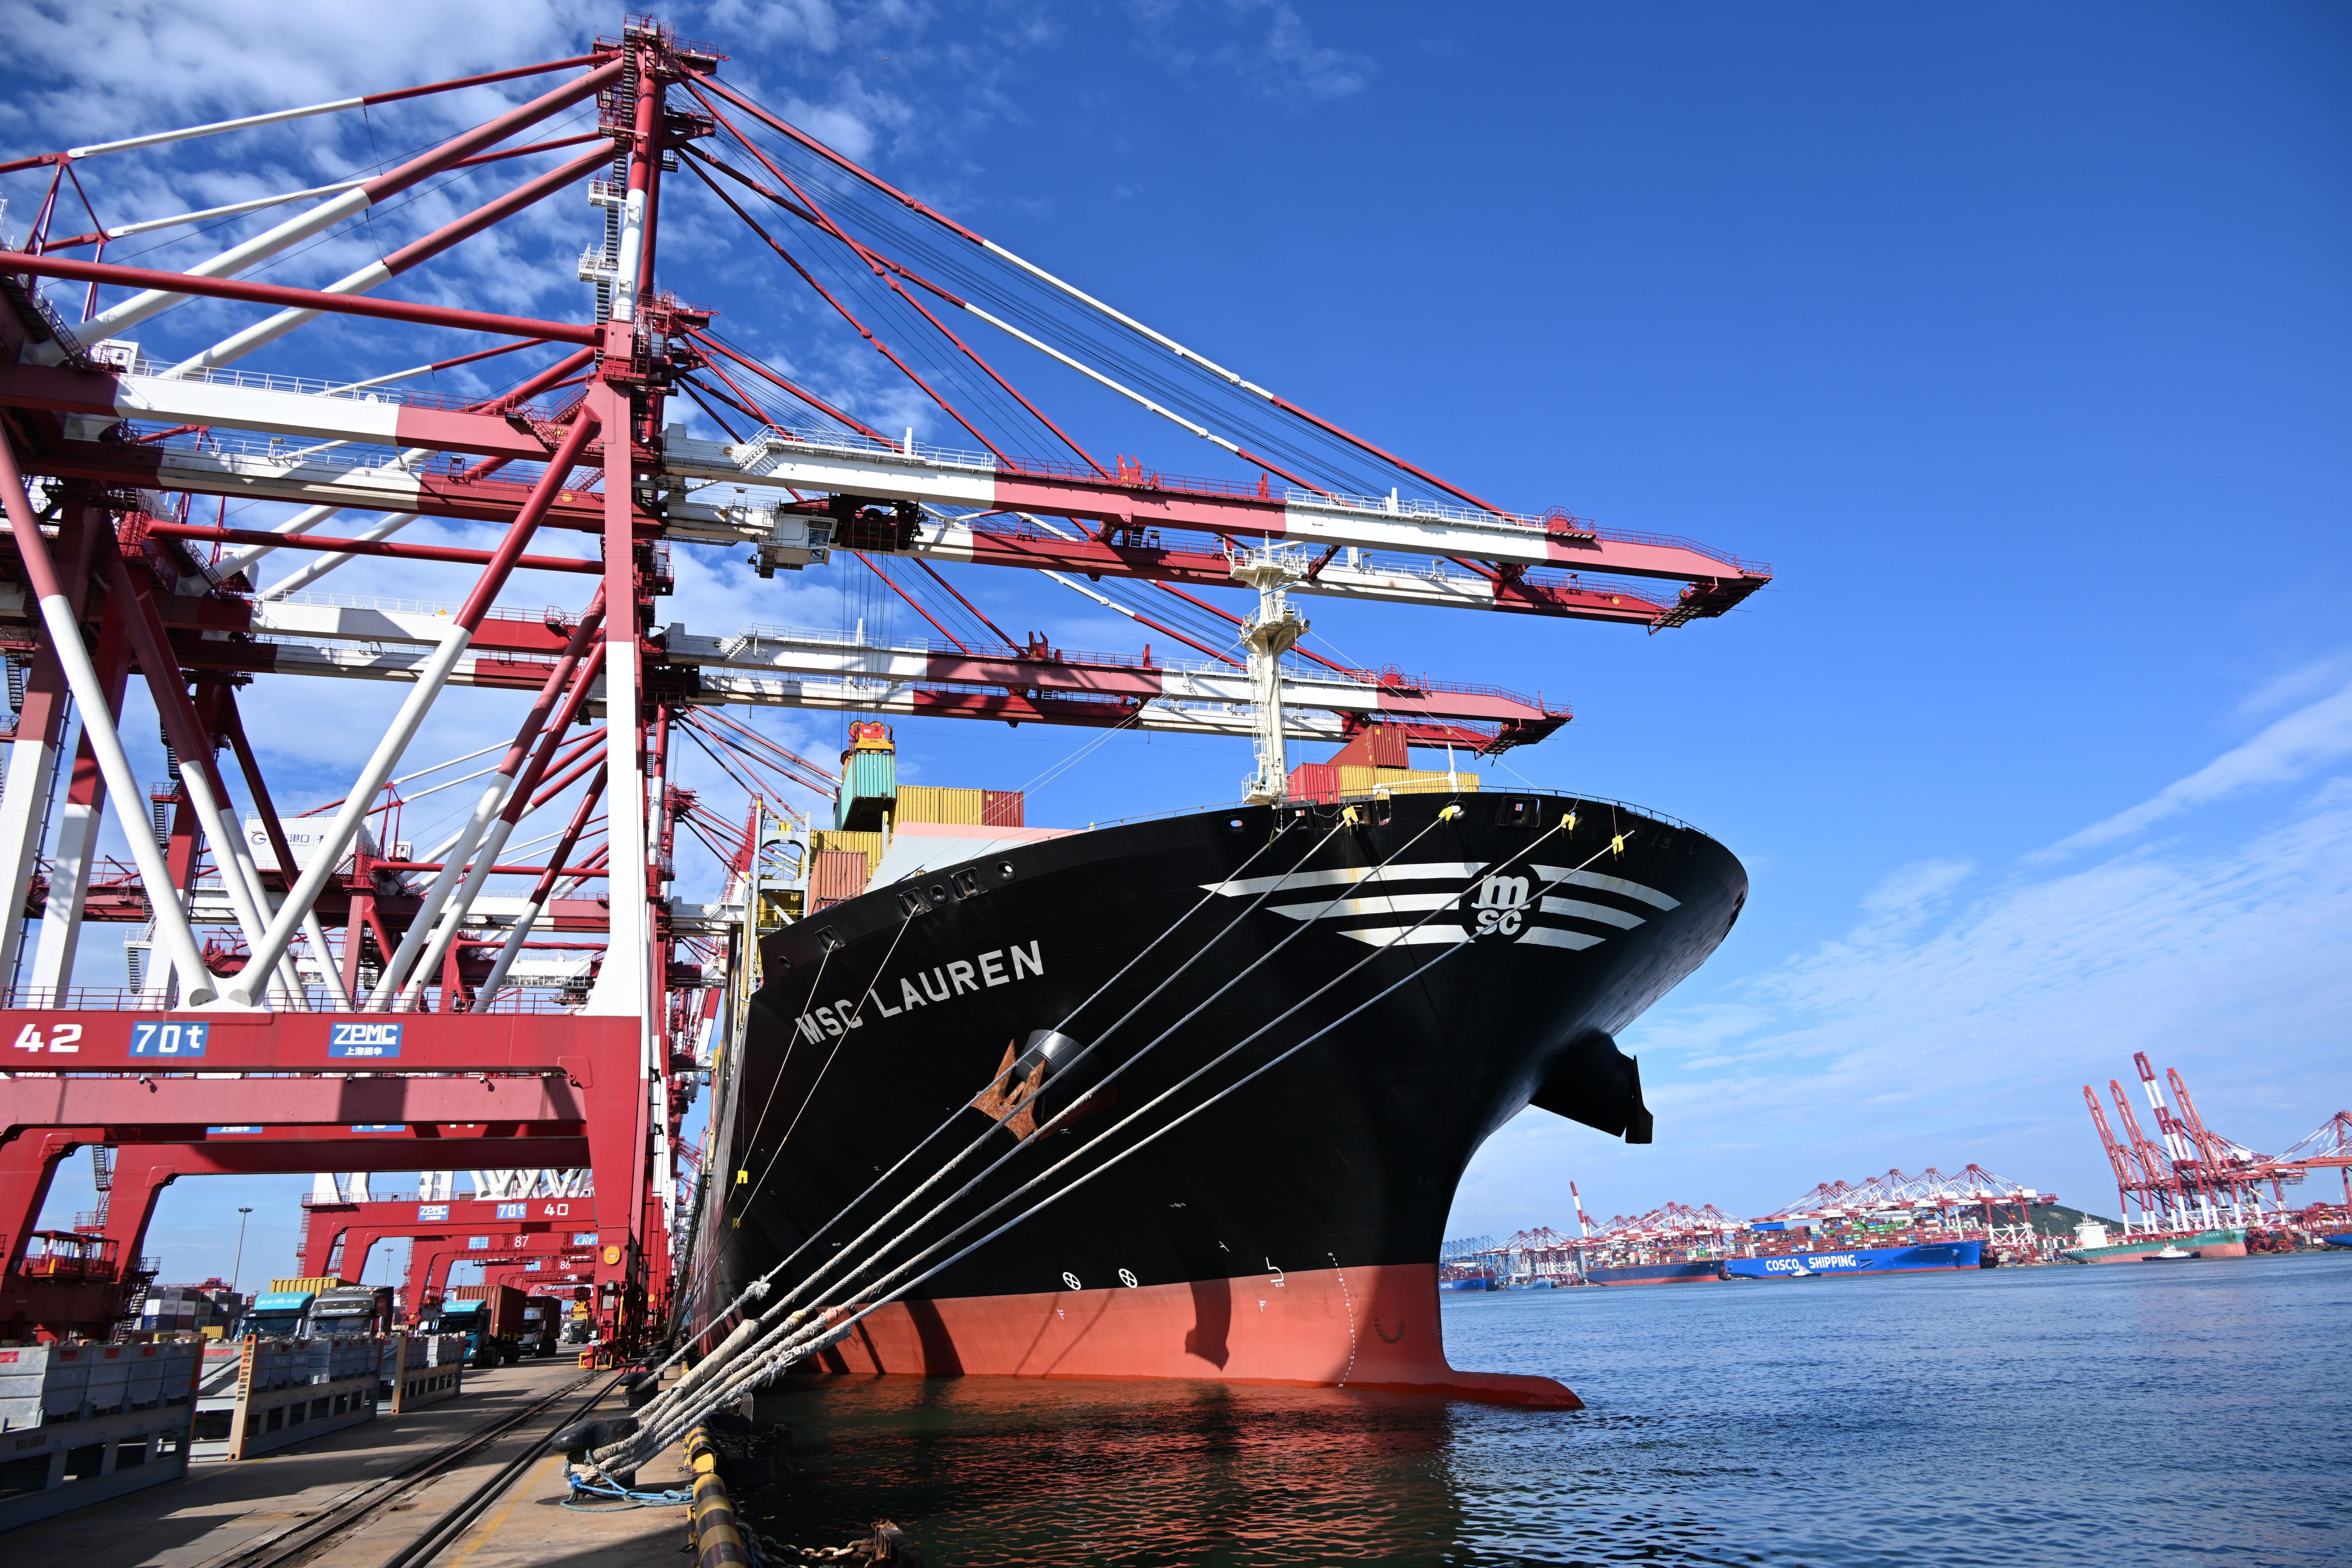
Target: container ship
(2094,1245)
(1287,1233)
(1927,1257)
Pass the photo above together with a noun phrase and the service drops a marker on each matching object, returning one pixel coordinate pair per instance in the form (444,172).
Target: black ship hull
(1287,1231)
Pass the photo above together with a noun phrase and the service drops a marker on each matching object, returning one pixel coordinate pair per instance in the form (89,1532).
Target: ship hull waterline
(1285,1234)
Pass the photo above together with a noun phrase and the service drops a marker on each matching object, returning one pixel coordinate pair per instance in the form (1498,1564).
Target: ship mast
(1270,634)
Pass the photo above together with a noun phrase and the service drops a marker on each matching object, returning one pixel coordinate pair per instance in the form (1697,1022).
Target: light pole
(236,1268)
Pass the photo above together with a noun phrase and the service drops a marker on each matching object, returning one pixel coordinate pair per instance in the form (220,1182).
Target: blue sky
(2014,338)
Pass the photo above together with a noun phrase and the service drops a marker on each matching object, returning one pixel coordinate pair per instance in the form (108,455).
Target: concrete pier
(245,1514)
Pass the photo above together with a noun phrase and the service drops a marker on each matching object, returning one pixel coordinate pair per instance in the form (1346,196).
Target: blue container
(870,786)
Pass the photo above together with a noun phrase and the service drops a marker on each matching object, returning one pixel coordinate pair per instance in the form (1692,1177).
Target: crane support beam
(807,671)
(378,1100)
(790,465)
(805,653)
(792,540)
(835,466)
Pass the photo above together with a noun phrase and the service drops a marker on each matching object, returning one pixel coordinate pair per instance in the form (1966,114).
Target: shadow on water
(999,1470)
(2076,1416)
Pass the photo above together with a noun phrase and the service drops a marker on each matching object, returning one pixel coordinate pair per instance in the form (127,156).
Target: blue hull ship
(1934,1257)
(1656,1274)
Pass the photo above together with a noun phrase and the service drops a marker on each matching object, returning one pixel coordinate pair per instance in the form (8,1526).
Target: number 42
(64,1037)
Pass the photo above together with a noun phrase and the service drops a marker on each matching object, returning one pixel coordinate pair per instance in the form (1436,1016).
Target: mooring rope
(1346,889)
(760,1288)
(800,1336)
(735,1342)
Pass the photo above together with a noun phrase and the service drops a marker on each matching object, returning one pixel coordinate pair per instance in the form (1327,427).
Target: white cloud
(1950,1024)
(120,67)
(2290,749)
(1284,62)
(1906,897)
(1291,62)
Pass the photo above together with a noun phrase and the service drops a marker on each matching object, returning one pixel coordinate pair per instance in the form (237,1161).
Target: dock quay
(470,1479)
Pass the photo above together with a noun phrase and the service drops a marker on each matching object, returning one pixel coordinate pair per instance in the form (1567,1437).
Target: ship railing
(1581,800)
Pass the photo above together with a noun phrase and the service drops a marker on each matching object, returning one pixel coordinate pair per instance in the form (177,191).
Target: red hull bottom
(1373,1328)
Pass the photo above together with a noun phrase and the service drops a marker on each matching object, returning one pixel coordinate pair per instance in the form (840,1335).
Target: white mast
(1270,568)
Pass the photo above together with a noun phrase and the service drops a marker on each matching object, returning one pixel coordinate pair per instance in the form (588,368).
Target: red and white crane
(2191,1178)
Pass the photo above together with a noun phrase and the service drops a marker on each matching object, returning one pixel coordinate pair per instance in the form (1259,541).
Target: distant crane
(2190,1177)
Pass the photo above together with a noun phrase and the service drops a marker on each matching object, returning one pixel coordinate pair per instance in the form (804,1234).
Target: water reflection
(1002,1471)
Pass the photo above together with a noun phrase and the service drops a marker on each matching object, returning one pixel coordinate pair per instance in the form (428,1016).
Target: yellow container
(1354,781)
(313,1283)
(1403,782)
(930,803)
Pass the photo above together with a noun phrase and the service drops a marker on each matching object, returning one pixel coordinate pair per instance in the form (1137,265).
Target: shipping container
(869,845)
(1314,781)
(836,875)
(931,803)
(1355,781)
(1379,746)
(869,789)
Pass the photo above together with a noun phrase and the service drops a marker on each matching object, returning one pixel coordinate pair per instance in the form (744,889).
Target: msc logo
(1495,908)
(362,1039)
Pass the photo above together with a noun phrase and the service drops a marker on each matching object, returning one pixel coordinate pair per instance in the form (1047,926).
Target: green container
(870,786)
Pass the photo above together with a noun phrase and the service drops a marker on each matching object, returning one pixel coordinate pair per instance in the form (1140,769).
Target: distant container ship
(1927,1259)
(2223,1241)
(1920,1259)
(1684,1273)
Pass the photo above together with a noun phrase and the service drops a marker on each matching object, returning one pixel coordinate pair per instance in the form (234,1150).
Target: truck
(277,1315)
(353,1309)
(308,1308)
(542,1325)
(492,1319)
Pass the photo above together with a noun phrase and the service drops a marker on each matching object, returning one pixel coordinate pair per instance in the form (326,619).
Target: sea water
(2155,1413)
